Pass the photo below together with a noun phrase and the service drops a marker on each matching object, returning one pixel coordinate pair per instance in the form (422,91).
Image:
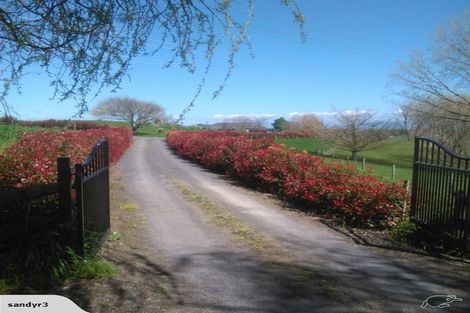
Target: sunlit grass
(8,133)
(236,228)
(146,130)
(379,158)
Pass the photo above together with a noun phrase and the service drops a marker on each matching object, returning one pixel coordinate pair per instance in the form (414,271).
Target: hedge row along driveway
(334,189)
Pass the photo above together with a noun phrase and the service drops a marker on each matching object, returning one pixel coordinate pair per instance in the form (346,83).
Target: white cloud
(292,114)
(224,116)
(353,112)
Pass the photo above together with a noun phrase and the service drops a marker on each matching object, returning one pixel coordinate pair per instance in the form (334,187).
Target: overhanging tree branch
(85,46)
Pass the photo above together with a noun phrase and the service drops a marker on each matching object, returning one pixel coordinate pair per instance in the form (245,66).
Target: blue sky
(351,49)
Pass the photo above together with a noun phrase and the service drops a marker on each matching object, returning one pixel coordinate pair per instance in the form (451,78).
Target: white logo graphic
(440,301)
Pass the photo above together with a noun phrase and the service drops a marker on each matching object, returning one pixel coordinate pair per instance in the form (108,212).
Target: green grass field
(379,157)
(147,130)
(8,134)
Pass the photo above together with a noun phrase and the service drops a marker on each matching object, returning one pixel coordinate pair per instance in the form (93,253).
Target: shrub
(32,159)
(404,231)
(333,188)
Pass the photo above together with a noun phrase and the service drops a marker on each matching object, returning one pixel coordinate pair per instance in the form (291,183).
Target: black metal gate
(440,199)
(92,192)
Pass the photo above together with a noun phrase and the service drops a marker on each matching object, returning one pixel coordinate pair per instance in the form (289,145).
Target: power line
(313,29)
(314,42)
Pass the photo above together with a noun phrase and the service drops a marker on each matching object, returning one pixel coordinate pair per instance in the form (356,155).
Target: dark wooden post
(80,231)
(106,182)
(64,182)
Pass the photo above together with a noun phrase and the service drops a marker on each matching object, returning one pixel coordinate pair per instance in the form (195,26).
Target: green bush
(404,231)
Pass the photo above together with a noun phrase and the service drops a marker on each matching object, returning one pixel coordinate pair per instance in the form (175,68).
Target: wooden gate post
(80,227)
(106,165)
(64,182)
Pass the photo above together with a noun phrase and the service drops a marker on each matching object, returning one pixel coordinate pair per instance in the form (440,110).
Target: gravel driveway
(294,264)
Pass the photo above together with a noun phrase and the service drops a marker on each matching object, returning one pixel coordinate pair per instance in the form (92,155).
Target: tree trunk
(354,155)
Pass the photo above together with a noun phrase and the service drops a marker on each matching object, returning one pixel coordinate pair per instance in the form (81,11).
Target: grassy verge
(149,130)
(236,228)
(379,158)
(91,266)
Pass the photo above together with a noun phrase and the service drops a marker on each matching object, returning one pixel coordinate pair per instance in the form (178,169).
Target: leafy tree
(86,45)
(280,124)
(442,80)
(133,111)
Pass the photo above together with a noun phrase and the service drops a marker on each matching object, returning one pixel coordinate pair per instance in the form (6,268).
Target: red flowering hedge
(32,159)
(333,188)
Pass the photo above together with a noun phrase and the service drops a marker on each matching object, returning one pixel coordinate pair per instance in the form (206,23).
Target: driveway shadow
(284,286)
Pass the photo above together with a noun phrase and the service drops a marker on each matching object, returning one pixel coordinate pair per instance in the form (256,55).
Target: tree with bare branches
(409,121)
(356,130)
(442,80)
(135,112)
(245,122)
(423,119)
